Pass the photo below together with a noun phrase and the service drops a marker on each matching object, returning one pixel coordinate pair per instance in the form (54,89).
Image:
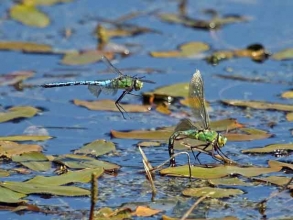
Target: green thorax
(127,82)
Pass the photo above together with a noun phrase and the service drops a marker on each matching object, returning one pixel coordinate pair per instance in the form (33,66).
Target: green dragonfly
(110,86)
(201,132)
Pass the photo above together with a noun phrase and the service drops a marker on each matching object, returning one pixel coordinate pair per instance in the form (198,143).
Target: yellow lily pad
(81,176)
(259,105)
(212,192)
(34,160)
(18,112)
(27,47)
(143,211)
(269,148)
(283,54)
(25,138)
(29,15)
(149,144)
(217,172)
(287,94)
(97,148)
(109,105)
(289,116)
(46,2)
(9,148)
(85,57)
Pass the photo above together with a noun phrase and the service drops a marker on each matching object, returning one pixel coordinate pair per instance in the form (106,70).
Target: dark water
(270,25)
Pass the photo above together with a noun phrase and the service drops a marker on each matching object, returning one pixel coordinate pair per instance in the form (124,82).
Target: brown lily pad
(25,138)
(109,105)
(28,47)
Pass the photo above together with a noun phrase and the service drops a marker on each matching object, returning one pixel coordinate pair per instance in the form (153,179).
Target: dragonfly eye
(222,140)
(137,85)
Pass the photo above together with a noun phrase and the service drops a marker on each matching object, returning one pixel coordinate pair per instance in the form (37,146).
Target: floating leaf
(217,172)
(18,112)
(165,133)
(4,173)
(80,162)
(29,15)
(174,90)
(97,148)
(47,2)
(259,105)
(34,160)
(211,192)
(276,180)
(185,50)
(289,116)
(109,105)
(108,213)
(246,137)
(278,164)
(15,77)
(85,57)
(283,54)
(81,176)
(25,138)
(269,148)
(228,182)
(9,148)
(9,196)
(34,188)
(27,47)
(142,211)
(149,144)
(287,94)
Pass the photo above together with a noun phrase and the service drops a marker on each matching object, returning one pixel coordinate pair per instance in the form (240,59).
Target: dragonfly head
(221,140)
(137,84)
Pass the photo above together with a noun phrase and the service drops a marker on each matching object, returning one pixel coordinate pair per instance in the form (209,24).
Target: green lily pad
(25,138)
(217,172)
(276,180)
(35,188)
(84,57)
(97,148)
(81,176)
(4,173)
(29,15)
(212,192)
(33,160)
(106,213)
(269,148)
(283,54)
(174,90)
(80,162)
(9,148)
(109,105)
(18,112)
(9,196)
(259,105)
(228,182)
(274,163)
(27,47)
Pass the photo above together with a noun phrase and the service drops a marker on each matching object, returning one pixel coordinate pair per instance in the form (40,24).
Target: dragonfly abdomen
(73,83)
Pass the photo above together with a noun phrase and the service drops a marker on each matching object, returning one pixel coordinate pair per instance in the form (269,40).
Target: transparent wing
(197,100)
(111,66)
(97,89)
(184,124)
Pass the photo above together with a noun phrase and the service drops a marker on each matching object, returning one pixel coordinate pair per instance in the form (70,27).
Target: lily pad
(212,192)
(97,148)
(4,173)
(287,94)
(228,182)
(269,148)
(106,213)
(289,116)
(48,2)
(25,138)
(9,148)
(80,162)
(35,188)
(85,57)
(29,15)
(189,49)
(81,176)
(142,211)
(15,77)
(34,160)
(283,54)
(9,196)
(277,164)
(174,90)
(259,105)
(109,105)
(149,144)
(27,47)
(217,172)
(276,180)
(18,112)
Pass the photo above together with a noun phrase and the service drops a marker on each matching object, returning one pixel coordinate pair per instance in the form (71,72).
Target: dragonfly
(111,86)
(202,131)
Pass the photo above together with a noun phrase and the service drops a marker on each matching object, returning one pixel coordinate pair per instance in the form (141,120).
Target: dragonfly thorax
(137,84)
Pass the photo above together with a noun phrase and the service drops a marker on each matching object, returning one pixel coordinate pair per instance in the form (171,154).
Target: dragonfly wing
(111,66)
(184,124)
(197,100)
(95,90)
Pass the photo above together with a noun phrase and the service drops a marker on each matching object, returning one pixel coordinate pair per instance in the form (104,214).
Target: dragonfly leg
(197,155)
(171,151)
(117,103)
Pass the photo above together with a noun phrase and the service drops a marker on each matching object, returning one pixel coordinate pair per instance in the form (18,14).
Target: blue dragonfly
(110,86)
